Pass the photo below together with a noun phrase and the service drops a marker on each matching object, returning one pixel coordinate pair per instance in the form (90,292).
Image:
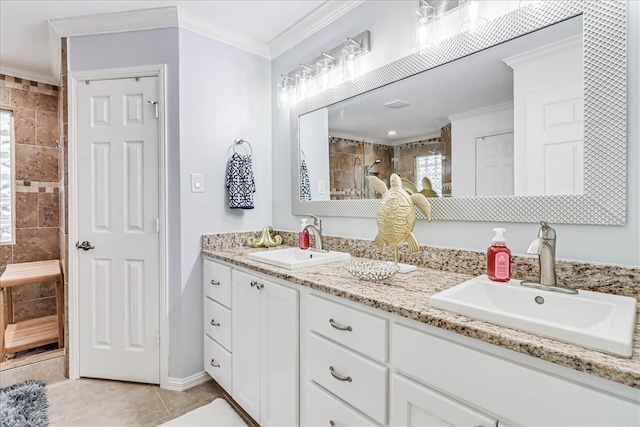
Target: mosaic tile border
(37,187)
(28,85)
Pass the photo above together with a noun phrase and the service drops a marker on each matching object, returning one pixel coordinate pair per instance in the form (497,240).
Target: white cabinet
(495,383)
(265,349)
(217,322)
(334,362)
(413,404)
(342,350)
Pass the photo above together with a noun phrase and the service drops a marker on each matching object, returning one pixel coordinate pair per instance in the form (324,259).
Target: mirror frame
(605,114)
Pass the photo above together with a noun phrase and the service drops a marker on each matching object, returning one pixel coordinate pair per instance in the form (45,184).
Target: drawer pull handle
(331,423)
(338,376)
(215,282)
(214,323)
(214,364)
(254,283)
(339,326)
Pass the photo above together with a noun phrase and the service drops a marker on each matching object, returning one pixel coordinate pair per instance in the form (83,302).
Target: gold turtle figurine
(396,215)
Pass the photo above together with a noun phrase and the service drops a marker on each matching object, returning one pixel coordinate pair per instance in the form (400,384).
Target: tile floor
(91,402)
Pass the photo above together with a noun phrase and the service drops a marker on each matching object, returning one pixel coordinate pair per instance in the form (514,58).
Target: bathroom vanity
(318,347)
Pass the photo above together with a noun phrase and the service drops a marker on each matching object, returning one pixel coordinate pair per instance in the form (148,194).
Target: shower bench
(15,337)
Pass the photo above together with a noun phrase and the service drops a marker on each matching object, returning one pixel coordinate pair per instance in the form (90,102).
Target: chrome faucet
(545,247)
(316,229)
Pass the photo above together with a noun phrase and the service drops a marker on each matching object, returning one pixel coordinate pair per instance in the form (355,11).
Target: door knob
(86,245)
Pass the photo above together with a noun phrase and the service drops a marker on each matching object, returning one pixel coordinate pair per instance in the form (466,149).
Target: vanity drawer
(323,409)
(217,282)
(217,363)
(366,386)
(217,322)
(355,329)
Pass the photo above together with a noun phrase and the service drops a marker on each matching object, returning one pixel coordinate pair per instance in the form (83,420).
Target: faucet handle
(546,231)
(316,221)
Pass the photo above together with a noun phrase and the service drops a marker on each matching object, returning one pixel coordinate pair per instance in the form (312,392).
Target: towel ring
(241,141)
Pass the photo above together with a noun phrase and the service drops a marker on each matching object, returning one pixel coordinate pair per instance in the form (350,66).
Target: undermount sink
(294,258)
(594,320)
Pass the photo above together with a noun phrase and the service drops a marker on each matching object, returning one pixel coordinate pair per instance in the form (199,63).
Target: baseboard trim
(182,384)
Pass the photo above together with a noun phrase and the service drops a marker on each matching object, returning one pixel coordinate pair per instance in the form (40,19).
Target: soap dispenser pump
(499,258)
(303,235)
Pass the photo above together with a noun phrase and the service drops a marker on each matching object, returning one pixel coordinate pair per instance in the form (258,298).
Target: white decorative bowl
(373,271)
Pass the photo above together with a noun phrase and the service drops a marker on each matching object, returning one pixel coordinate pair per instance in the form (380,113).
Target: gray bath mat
(24,404)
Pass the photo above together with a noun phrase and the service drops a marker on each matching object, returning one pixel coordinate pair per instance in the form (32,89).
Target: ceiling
(30,30)
(436,95)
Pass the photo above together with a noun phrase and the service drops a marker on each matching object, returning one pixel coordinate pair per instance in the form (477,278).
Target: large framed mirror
(580,177)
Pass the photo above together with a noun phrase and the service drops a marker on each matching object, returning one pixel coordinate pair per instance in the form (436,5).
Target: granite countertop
(408,295)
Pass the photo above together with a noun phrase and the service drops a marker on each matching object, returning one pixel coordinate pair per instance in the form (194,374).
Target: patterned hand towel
(240,182)
(305,187)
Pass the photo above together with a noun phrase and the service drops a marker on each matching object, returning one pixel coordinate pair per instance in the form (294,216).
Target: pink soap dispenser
(499,258)
(303,235)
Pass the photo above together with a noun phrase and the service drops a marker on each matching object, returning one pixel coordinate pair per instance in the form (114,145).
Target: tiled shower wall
(349,160)
(35,109)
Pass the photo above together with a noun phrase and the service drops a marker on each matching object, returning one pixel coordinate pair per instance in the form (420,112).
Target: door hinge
(157,225)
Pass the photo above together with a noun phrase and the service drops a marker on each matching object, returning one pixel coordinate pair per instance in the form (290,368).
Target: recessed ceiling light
(398,103)
(391,132)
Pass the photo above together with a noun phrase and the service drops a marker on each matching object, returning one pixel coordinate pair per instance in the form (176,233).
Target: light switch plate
(197,183)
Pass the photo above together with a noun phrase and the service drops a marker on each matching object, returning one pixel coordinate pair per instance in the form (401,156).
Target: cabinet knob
(215,282)
(260,286)
(214,323)
(254,283)
(331,423)
(337,376)
(339,326)
(214,364)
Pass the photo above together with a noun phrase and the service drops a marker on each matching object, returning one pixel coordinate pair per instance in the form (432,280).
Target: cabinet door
(415,405)
(279,355)
(246,343)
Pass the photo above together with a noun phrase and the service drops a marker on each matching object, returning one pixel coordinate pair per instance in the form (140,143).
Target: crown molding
(313,22)
(482,111)
(540,52)
(135,20)
(201,26)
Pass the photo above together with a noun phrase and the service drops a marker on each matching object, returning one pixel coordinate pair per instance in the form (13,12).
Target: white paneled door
(118,265)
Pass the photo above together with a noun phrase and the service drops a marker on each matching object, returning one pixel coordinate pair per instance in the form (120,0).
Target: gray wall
(224,95)
(389,23)
(215,93)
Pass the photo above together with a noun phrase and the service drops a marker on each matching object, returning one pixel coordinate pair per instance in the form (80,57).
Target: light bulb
(350,55)
(424,27)
(323,67)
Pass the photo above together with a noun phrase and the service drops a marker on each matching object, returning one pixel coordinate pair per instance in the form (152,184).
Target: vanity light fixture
(423,27)
(470,17)
(302,81)
(350,55)
(324,69)
(285,91)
